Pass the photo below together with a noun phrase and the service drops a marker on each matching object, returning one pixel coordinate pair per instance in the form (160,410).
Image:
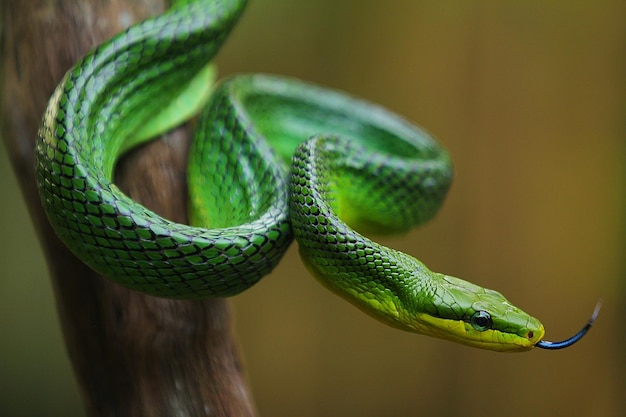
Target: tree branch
(132,354)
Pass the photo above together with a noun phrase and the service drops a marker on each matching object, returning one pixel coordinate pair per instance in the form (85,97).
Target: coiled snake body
(271,158)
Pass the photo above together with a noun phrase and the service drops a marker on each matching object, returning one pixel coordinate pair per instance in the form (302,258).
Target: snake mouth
(534,336)
(499,341)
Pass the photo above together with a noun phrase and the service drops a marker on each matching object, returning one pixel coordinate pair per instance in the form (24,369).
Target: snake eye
(481,320)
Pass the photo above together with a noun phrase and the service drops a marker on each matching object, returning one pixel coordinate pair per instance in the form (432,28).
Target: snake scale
(272,158)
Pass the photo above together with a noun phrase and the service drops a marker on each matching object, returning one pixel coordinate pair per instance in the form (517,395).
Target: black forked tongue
(543,344)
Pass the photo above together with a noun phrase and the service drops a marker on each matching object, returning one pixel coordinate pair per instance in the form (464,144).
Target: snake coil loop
(272,158)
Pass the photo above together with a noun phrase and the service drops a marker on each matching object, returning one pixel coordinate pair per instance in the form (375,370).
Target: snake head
(466,313)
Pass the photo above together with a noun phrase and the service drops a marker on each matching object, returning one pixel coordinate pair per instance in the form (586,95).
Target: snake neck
(377,279)
(391,286)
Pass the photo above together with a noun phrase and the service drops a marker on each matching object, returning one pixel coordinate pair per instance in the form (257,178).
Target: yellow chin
(462,332)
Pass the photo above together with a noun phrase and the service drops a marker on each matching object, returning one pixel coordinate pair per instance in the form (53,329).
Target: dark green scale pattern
(358,269)
(242,229)
(363,169)
(101,102)
(382,193)
(232,166)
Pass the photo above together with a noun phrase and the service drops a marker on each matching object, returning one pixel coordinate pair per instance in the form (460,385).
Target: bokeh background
(529,98)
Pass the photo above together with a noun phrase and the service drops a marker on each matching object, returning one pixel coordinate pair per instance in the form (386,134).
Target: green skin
(255,181)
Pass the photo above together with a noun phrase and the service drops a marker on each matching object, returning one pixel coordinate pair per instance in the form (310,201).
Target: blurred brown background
(529,98)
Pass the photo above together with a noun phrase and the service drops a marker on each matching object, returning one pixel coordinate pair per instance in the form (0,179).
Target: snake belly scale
(272,158)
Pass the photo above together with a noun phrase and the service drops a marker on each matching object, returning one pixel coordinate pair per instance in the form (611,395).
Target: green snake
(272,159)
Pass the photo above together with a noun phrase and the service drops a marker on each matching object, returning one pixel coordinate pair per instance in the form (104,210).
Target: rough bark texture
(133,355)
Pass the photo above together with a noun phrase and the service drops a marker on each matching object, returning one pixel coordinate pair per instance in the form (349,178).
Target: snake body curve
(271,158)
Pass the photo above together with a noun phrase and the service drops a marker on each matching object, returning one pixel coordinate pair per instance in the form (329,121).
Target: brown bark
(133,355)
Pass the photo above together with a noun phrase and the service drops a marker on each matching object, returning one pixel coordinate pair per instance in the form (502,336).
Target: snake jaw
(534,336)
(463,332)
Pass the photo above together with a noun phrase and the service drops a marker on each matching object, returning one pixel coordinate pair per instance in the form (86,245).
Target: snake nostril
(530,334)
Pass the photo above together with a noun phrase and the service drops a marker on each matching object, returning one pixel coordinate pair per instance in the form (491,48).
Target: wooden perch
(133,355)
